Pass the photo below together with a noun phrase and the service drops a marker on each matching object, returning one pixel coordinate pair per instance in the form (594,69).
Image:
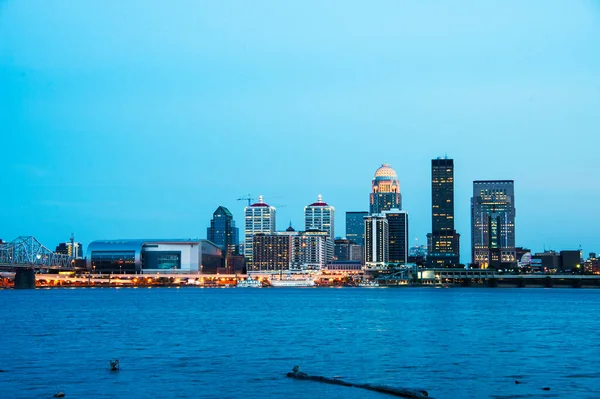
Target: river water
(239,343)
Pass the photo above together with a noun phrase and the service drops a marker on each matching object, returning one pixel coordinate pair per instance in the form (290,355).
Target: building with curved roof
(385,190)
(152,255)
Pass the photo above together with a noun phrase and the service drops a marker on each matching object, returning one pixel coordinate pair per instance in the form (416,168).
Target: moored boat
(249,283)
(293,282)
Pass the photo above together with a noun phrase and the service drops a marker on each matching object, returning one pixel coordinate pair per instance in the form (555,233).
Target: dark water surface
(239,343)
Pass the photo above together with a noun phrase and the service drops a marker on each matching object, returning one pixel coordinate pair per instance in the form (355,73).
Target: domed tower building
(385,193)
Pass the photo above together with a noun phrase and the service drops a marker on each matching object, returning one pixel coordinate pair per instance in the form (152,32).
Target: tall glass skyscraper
(397,236)
(355,227)
(385,190)
(443,243)
(222,231)
(493,224)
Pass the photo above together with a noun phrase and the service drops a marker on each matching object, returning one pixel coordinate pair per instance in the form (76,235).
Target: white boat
(293,282)
(368,284)
(249,283)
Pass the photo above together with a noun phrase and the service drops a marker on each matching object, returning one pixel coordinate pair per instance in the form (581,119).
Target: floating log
(400,392)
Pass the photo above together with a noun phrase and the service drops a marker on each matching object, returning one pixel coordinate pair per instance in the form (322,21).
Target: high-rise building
(385,193)
(493,224)
(271,252)
(259,218)
(397,236)
(311,250)
(222,231)
(443,243)
(355,227)
(320,216)
(376,242)
(66,248)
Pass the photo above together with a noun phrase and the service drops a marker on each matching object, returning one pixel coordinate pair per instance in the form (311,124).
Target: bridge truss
(27,251)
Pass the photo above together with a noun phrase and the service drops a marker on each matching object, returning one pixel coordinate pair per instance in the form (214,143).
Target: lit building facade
(385,190)
(493,224)
(153,256)
(443,243)
(319,216)
(66,248)
(271,252)
(376,242)
(311,250)
(355,227)
(222,231)
(258,218)
(397,221)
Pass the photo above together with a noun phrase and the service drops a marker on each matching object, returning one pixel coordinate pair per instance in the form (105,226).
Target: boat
(368,284)
(249,283)
(289,281)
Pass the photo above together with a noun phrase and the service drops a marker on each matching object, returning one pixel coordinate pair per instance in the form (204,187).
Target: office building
(271,252)
(385,190)
(66,248)
(493,224)
(320,216)
(376,242)
(311,250)
(443,243)
(222,231)
(259,219)
(397,221)
(355,227)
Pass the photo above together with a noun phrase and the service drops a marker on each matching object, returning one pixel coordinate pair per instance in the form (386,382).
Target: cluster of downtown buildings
(375,240)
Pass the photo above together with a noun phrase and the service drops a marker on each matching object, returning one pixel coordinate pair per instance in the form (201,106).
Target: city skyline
(133,132)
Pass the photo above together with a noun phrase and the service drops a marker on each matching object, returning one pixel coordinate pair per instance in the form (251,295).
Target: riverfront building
(222,231)
(385,190)
(397,236)
(259,219)
(493,224)
(271,252)
(443,243)
(320,216)
(355,227)
(153,256)
(74,249)
(376,242)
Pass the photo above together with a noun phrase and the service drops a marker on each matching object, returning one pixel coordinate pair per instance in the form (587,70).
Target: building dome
(385,172)
(386,181)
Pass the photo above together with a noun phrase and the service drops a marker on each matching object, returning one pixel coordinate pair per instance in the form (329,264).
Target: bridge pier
(25,278)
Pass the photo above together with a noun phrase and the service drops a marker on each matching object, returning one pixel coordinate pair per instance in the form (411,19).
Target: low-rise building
(153,256)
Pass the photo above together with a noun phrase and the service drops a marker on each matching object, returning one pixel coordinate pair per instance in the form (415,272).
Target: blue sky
(138,118)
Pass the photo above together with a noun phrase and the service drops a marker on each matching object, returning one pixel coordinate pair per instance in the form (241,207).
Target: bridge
(25,255)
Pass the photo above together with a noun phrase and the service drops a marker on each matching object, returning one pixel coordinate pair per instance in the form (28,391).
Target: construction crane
(248,198)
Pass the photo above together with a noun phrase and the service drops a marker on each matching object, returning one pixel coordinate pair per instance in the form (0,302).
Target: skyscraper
(259,218)
(397,236)
(355,227)
(443,243)
(222,231)
(320,216)
(376,242)
(493,223)
(385,190)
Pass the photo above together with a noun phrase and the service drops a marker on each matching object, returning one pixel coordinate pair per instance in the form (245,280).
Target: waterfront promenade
(423,278)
